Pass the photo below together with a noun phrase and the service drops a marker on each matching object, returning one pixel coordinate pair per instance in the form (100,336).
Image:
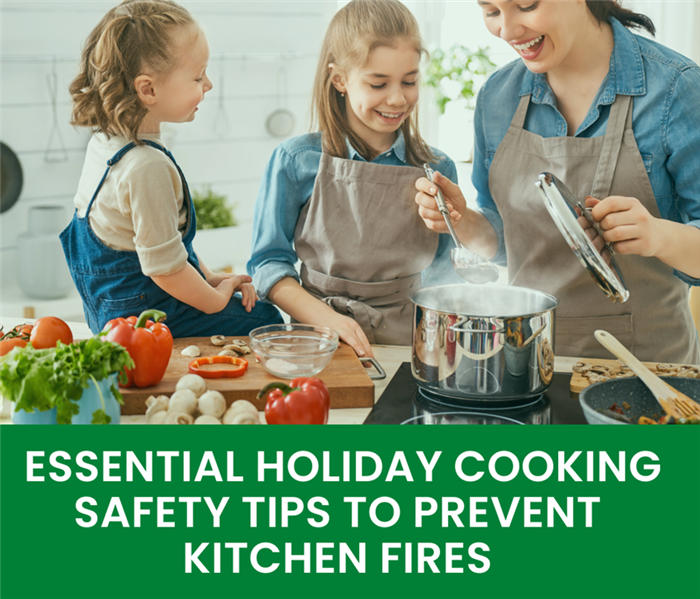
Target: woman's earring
(342,95)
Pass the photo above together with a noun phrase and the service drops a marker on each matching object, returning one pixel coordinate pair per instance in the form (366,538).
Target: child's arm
(249,296)
(189,287)
(304,307)
(628,224)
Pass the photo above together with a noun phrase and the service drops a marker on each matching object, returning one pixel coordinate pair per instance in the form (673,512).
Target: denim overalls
(112,284)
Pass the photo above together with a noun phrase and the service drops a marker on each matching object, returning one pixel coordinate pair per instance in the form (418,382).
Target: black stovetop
(403,399)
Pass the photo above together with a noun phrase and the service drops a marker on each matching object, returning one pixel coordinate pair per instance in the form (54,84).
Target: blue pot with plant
(66,384)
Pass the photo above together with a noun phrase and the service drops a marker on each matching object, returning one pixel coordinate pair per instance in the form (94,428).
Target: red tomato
(7,345)
(47,331)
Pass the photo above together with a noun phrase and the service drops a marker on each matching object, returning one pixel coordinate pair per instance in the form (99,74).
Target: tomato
(48,330)
(7,345)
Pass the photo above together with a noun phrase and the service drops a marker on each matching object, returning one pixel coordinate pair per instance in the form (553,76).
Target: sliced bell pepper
(241,365)
(149,343)
(303,401)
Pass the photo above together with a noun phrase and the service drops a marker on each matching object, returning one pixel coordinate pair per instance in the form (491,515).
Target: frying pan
(10,178)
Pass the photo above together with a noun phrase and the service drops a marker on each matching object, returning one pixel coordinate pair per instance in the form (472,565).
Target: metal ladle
(469,266)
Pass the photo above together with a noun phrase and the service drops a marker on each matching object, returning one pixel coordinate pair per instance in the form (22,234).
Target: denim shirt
(286,186)
(666,122)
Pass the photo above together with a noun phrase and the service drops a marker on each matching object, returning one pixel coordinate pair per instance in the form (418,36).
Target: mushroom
(212,403)
(157,418)
(240,407)
(227,352)
(156,405)
(241,350)
(193,382)
(178,418)
(218,340)
(192,351)
(206,419)
(244,418)
(183,400)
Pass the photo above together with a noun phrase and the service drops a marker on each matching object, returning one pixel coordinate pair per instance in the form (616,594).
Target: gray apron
(655,323)
(363,245)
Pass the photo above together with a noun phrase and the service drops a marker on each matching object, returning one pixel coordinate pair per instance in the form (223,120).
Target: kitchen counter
(390,357)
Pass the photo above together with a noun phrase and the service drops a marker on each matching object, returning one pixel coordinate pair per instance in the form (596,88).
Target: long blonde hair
(133,35)
(355,30)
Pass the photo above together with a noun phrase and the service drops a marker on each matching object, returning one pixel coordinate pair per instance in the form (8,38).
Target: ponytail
(603,10)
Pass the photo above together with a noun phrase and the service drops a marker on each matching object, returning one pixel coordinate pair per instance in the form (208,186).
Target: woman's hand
(428,208)
(627,224)
(597,241)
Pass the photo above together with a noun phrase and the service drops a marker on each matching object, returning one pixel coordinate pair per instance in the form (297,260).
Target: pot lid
(10,178)
(560,203)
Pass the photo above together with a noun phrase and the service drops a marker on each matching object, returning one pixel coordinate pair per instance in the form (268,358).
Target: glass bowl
(288,351)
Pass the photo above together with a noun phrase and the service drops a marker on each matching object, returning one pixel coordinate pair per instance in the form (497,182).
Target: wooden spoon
(673,402)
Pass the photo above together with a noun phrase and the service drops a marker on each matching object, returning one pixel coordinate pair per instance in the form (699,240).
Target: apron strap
(518,121)
(620,115)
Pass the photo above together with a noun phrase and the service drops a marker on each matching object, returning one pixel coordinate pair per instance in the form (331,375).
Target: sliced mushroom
(192,351)
(218,340)
(241,350)
(156,405)
(212,403)
(227,352)
(193,382)
(158,418)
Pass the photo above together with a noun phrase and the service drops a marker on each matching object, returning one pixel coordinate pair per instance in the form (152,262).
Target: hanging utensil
(469,266)
(11,178)
(58,154)
(221,124)
(673,402)
(559,202)
(280,123)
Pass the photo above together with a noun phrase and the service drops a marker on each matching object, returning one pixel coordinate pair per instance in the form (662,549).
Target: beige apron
(655,323)
(363,245)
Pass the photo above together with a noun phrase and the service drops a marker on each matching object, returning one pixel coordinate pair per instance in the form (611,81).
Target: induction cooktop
(403,401)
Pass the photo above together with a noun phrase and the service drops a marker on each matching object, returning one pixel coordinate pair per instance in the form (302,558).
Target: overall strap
(120,154)
(620,116)
(519,117)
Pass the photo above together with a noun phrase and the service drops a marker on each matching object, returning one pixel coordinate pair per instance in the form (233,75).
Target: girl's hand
(222,282)
(349,331)
(428,208)
(627,224)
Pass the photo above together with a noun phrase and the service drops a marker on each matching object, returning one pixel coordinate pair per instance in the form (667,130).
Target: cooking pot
(487,343)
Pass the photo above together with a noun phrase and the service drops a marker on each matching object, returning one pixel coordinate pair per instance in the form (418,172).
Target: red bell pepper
(303,401)
(238,366)
(149,344)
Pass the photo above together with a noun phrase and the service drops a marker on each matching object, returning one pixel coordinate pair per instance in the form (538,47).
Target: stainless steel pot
(485,343)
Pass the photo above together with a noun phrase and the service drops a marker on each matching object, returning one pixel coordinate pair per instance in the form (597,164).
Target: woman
(614,115)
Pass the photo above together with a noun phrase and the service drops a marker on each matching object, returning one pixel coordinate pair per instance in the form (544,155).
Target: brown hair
(355,30)
(602,10)
(134,35)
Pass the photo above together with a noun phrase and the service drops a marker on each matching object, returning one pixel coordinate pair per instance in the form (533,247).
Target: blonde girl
(129,245)
(341,199)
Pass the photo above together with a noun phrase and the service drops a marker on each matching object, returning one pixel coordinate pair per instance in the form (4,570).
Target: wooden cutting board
(579,382)
(347,380)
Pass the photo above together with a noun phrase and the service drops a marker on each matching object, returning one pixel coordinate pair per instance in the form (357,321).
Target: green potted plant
(453,75)
(216,236)
(69,383)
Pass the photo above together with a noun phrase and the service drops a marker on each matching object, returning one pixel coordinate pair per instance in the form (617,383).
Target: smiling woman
(611,114)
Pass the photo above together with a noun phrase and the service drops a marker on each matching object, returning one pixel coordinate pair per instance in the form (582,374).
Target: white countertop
(389,356)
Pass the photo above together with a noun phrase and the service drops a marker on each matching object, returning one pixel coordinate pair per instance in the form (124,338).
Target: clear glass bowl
(288,351)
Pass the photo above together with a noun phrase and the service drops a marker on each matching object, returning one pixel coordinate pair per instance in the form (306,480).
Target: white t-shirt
(140,206)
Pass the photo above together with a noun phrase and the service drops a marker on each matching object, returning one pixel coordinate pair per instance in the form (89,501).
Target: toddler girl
(129,245)
(341,199)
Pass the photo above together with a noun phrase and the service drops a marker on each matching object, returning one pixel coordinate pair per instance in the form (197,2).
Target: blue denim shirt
(286,186)
(666,121)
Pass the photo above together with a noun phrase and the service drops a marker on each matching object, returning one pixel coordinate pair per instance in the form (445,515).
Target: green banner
(345,512)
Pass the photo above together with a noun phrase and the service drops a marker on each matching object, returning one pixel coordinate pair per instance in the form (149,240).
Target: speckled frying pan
(10,178)
(635,393)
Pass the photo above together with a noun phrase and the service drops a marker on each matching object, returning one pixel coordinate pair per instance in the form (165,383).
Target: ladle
(469,266)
